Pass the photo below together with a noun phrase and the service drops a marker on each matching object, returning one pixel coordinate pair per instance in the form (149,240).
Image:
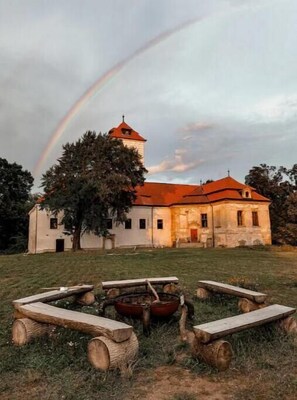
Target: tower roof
(124,131)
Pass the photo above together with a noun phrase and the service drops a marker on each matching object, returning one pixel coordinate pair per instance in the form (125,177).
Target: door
(59,245)
(194,235)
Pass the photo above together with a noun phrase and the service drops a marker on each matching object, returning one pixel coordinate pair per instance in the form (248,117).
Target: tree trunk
(105,354)
(76,239)
(25,330)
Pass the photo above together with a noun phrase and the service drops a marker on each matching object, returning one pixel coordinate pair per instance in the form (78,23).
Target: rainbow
(99,85)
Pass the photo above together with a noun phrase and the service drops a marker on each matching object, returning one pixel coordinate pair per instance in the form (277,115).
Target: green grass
(57,368)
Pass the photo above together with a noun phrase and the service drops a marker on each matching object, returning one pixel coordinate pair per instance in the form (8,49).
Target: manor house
(222,213)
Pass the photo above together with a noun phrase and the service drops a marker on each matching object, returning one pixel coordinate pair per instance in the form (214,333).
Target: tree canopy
(15,186)
(279,184)
(95,179)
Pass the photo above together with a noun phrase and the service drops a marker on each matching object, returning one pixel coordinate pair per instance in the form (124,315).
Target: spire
(228,172)
(123,116)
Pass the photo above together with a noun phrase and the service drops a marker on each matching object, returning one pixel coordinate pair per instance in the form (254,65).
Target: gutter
(212,226)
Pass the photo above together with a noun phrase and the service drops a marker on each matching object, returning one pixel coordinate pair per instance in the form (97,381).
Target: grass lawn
(265,363)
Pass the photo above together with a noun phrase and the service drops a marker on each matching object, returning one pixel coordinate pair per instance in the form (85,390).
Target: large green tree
(15,186)
(94,179)
(279,185)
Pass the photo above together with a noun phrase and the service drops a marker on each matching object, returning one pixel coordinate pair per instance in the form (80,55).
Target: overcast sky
(211,84)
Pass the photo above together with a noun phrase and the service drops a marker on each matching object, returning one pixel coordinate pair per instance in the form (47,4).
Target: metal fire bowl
(131,305)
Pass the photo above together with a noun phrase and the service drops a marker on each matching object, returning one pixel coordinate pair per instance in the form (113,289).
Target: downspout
(36,229)
(212,225)
(152,222)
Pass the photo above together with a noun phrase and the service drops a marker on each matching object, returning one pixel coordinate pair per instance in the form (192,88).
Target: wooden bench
(219,353)
(79,291)
(114,344)
(114,288)
(250,300)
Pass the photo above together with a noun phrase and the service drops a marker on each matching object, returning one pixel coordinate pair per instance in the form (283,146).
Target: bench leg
(246,305)
(112,293)
(85,299)
(25,330)
(203,294)
(218,354)
(105,354)
(288,325)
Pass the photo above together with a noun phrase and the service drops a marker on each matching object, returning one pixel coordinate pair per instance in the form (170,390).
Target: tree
(15,186)
(94,180)
(279,185)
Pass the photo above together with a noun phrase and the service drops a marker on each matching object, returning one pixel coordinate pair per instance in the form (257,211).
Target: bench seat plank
(138,282)
(91,324)
(53,295)
(217,329)
(233,290)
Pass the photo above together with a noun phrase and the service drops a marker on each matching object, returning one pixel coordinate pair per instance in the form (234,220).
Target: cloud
(196,127)
(177,164)
(275,109)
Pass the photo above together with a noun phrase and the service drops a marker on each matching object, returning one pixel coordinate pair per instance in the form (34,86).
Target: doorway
(194,235)
(59,245)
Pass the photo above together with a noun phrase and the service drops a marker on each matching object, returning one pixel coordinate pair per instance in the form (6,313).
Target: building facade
(223,213)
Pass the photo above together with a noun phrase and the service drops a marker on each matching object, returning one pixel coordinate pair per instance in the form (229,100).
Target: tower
(129,137)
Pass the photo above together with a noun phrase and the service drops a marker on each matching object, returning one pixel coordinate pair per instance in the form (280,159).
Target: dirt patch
(165,382)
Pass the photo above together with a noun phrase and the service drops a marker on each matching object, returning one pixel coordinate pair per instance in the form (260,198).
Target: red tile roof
(166,194)
(124,131)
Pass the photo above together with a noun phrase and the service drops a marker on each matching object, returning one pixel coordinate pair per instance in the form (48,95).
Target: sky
(211,84)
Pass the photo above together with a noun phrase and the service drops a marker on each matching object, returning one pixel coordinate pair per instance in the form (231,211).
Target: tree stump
(203,294)
(217,354)
(246,305)
(105,354)
(86,299)
(25,330)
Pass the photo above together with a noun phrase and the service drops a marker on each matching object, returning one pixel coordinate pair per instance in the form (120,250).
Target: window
(239,218)
(54,223)
(204,220)
(128,224)
(247,194)
(159,224)
(142,223)
(255,218)
(109,223)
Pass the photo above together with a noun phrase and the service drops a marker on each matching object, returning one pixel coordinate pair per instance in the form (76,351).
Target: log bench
(206,343)
(249,300)
(83,294)
(115,288)
(114,345)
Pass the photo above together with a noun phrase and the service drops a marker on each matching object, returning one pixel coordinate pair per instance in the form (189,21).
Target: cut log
(288,325)
(86,299)
(25,330)
(203,294)
(87,323)
(170,288)
(223,288)
(112,293)
(53,295)
(138,282)
(217,354)
(246,305)
(105,354)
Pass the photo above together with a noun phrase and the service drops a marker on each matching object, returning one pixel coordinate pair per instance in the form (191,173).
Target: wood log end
(170,288)
(288,325)
(114,292)
(246,305)
(86,299)
(203,294)
(25,330)
(218,354)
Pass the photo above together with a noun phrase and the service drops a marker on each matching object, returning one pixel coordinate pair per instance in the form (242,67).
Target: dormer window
(126,132)
(246,193)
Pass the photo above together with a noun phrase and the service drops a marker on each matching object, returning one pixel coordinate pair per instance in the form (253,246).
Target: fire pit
(133,304)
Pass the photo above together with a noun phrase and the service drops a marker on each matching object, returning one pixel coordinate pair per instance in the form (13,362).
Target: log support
(112,293)
(85,299)
(25,330)
(218,353)
(170,288)
(246,305)
(105,354)
(203,294)
(288,325)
